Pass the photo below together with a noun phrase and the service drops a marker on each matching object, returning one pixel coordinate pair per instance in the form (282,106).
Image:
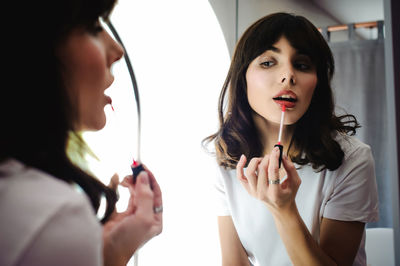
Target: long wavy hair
(313,137)
(38,114)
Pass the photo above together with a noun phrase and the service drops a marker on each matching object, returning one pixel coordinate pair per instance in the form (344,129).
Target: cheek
(92,66)
(89,85)
(88,60)
(86,77)
(258,88)
(307,88)
(310,85)
(252,91)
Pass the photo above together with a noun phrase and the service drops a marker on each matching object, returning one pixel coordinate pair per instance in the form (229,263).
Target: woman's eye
(302,66)
(268,63)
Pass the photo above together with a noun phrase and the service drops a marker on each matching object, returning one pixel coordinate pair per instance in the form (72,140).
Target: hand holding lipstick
(142,220)
(136,169)
(263,180)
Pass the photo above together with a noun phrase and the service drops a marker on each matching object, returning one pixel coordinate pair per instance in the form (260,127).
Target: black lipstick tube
(280,153)
(136,171)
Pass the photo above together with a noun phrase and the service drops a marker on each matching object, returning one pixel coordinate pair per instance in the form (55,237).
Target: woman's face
(281,75)
(87,57)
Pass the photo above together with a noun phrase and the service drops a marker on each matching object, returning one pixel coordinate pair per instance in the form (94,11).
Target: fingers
(291,171)
(273,167)
(288,165)
(144,194)
(150,183)
(155,187)
(114,181)
(239,168)
(255,179)
(262,179)
(248,179)
(240,174)
(127,181)
(252,172)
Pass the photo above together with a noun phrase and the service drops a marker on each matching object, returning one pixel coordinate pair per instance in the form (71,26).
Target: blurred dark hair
(314,132)
(38,114)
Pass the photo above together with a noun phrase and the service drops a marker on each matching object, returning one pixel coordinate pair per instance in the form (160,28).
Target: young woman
(60,66)
(312,210)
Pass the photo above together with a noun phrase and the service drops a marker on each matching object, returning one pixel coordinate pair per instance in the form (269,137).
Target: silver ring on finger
(158,209)
(274,182)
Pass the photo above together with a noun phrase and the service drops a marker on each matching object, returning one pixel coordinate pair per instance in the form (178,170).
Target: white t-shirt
(347,194)
(45,221)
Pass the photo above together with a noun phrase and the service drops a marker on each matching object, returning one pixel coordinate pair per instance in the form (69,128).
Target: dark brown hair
(237,133)
(38,114)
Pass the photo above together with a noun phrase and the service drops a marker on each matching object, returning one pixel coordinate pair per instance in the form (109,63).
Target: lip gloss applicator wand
(136,166)
(280,135)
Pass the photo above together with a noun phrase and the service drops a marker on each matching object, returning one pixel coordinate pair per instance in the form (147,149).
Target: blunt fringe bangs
(237,133)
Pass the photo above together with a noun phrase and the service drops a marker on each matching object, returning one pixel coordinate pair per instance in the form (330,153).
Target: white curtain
(359,88)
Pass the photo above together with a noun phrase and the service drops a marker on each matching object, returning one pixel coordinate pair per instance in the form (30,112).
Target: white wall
(225,11)
(347,11)
(321,13)
(251,10)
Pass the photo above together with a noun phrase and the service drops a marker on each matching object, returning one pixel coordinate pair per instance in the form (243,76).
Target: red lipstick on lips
(109,101)
(112,107)
(286,98)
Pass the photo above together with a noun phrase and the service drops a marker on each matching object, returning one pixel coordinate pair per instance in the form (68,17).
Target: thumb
(143,192)
(291,171)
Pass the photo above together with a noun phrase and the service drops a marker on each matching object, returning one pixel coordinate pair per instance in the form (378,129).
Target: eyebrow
(277,50)
(274,49)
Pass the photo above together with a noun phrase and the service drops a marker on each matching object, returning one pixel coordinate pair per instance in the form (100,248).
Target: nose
(116,51)
(288,76)
(119,51)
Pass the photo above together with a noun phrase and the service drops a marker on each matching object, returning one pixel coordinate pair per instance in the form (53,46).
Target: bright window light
(180,59)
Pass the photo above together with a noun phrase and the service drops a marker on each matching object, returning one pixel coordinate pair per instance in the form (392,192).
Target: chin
(92,128)
(99,126)
(94,125)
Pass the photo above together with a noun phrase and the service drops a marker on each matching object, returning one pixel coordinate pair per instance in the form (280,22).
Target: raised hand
(263,180)
(142,220)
